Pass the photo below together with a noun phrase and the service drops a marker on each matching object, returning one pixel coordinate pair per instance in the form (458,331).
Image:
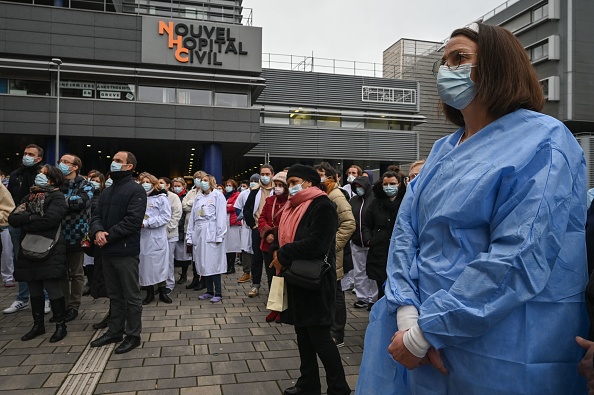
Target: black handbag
(307,273)
(37,247)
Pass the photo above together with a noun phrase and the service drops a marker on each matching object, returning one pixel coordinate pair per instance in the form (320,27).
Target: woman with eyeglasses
(487,262)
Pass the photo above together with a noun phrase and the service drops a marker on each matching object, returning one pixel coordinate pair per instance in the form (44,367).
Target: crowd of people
(473,265)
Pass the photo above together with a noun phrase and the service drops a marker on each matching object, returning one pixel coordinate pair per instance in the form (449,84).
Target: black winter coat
(21,180)
(360,204)
(54,266)
(120,213)
(315,236)
(377,230)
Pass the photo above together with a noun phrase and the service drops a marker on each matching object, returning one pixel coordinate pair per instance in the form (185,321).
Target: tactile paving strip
(85,375)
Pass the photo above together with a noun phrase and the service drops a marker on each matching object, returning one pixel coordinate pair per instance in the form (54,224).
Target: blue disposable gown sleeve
(528,226)
(401,287)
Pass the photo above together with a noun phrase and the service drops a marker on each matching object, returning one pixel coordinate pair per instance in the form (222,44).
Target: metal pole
(57,62)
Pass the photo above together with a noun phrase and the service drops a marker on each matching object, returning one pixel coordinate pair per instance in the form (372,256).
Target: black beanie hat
(305,172)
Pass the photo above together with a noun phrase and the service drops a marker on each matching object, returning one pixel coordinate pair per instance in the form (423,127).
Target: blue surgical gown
(489,246)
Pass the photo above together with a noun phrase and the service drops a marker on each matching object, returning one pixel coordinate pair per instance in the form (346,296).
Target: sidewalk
(189,347)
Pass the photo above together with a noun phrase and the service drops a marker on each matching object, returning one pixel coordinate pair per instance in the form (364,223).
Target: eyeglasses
(452,62)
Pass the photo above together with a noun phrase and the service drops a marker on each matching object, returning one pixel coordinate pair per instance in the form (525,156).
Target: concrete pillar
(213,160)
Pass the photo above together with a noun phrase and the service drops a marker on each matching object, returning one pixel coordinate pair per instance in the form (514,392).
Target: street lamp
(57,62)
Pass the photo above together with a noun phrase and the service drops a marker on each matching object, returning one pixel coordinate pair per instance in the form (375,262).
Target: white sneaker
(48,307)
(17,305)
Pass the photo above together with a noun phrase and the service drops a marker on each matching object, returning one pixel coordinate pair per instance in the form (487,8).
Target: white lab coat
(176,213)
(245,233)
(154,248)
(207,229)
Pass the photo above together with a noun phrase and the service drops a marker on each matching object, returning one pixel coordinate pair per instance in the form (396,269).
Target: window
(518,22)
(156,94)
(231,99)
(352,123)
(112,91)
(300,118)
(377,124)
(24,87)
(277,119)
(327,121)
(194,97)
(3,85)
(539,52)
(540,13)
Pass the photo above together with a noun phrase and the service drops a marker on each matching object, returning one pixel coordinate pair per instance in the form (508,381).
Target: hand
(433,357)
(401,354)
(270,238)
(276,264)
(586,365)
(101,238)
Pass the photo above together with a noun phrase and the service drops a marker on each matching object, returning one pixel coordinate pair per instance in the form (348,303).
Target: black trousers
(269,272)
(52,286)
(314,341)
(340,314)
(125,302)
(257,259)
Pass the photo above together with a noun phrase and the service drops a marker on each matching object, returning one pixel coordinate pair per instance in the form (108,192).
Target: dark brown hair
(505,78)
(232,182)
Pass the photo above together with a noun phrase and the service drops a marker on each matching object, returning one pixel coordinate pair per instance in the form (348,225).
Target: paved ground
(189,347)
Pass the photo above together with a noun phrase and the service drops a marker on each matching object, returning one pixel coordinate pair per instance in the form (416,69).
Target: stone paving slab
(188,347)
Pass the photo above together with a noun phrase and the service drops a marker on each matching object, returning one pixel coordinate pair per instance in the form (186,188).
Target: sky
(358,30)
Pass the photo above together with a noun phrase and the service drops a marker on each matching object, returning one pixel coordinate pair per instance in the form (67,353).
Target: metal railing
(325,65)
(211,12)
(498,9)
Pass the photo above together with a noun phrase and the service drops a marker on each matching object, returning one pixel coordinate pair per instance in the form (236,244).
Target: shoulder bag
(37,247)
(307,273)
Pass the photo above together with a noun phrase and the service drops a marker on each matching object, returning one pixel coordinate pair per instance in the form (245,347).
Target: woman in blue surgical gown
(487,262)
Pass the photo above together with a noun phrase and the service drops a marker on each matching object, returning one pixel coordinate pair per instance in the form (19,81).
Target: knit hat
(281,177)
(255,177)
(305,172)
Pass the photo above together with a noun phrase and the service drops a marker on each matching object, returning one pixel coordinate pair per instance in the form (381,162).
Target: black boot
(195,279)
(37,307)
(201,285)
(104,322)
(184,272)
(59,311)
(163,297)
(150,295)
(230,262)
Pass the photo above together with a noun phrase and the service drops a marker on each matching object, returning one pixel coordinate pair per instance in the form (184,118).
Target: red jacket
(231,210)
(270,217)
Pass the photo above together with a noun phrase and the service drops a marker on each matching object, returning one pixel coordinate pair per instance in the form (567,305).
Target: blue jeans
(213,281)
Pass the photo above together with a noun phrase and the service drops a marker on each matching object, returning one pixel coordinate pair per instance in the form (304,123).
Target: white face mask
(322,179)
(279,190)
(351,178)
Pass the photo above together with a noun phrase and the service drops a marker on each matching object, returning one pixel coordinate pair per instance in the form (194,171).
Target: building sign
(200,44)
(379,94)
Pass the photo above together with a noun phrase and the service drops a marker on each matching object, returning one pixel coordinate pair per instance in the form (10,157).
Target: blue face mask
(205,185)
(96,185)
(455,87)
(294,189)
(228,189)
(177,189)
(265,180)
(147,186)
(108,182)
(28,161)
(197,182)
(391,190)
(163,186)
(243,189)
(64,168)
(115,166)
(41,180)
(253,185)
(360,191)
